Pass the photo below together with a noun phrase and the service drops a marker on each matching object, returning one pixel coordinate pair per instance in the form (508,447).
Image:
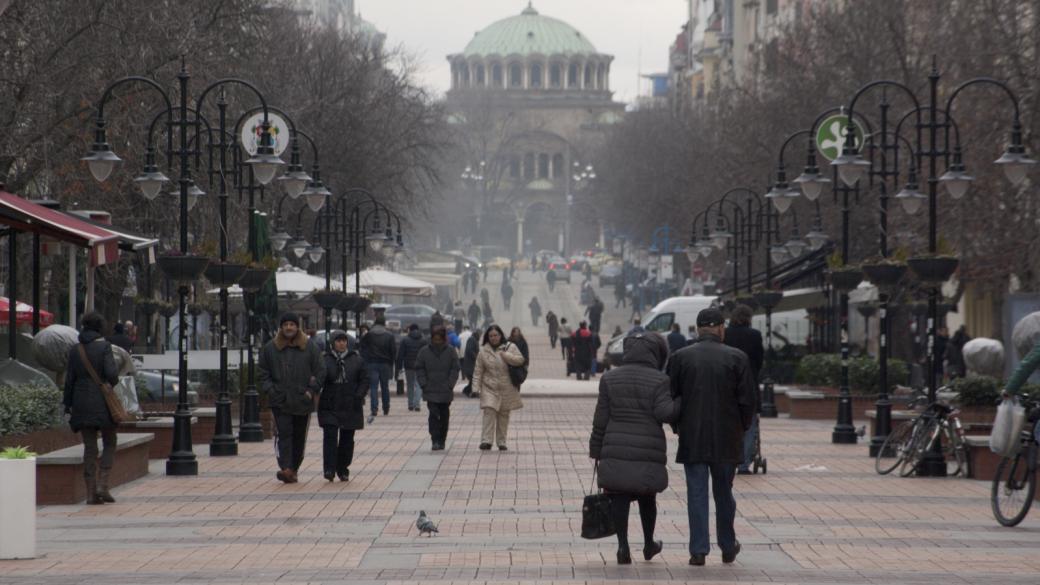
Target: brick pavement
(821,515)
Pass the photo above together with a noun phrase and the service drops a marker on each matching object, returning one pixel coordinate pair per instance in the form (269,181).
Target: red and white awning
(22,214)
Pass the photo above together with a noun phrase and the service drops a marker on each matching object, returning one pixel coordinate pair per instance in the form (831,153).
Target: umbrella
(23,313)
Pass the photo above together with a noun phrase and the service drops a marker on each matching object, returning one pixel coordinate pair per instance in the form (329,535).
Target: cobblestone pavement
(821,515)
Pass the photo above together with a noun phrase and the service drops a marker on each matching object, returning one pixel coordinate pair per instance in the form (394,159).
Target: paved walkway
(821,515)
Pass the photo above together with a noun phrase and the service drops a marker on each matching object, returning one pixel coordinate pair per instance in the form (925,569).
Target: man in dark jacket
(718,401)
(291,372)
(627,438)
(341,409)
(120,338)
(85,403)
(473,314)
(437,368)
(740,335)
(595,313)
(379,350)
(676,340)
(406,354)
(469,361)
(582,343)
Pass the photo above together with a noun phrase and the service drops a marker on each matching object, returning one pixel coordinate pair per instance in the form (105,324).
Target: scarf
(341,366)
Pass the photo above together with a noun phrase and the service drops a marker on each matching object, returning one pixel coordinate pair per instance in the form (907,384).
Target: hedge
(28,408)
(824,369)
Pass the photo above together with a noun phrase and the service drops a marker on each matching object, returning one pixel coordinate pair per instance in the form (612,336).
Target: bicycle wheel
(955,450)
(1013,490)
(926,433)
(895,444)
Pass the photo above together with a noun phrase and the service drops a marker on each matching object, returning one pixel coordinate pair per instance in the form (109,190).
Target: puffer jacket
(491,377)
(437,371)
(288,370)
(409,349)
(342,402)
(634,401)
(83,398)
(378,346)
(718,401)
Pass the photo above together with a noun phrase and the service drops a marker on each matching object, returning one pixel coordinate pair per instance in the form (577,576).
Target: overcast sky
(636,32)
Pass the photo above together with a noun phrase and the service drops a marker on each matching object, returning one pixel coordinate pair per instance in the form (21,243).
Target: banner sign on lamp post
(250,132)
(830,136)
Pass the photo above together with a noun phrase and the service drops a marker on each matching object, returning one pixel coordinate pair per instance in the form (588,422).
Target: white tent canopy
(392,283)
(301,283)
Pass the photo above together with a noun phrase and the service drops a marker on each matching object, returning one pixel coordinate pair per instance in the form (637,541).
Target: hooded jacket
(437,371)
(409,349)
(718,401)
(634,401)
(378,347)
(83,398)
(342,402)
(289,368)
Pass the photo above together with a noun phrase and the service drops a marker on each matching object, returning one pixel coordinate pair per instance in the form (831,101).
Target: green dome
(527,34)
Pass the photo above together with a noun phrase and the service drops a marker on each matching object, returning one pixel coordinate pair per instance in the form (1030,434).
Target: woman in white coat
(498,395)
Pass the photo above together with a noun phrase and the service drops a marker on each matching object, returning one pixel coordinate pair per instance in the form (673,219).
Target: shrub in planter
(819,369)
(865,375)
(977,390)
(28,408)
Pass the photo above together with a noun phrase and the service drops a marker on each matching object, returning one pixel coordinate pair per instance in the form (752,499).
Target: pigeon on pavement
(425,525)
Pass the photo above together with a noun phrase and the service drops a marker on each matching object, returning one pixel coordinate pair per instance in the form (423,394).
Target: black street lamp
(102,160)
(927,117)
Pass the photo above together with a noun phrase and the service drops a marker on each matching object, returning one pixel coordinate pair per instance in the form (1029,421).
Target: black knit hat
(289,316)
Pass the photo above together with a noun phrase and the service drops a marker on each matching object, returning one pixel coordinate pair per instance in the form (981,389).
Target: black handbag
(517,375)
(596,518)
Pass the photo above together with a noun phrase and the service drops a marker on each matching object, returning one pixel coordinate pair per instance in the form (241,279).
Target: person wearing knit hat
(291,372)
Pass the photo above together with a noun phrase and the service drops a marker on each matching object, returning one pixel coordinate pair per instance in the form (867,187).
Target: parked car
(609,274)
(399,317)
(561,268)
(155,381)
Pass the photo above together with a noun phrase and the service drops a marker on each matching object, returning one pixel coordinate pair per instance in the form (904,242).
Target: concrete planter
(18,508)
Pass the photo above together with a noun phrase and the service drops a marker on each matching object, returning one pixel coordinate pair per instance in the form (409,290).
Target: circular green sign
(830,136)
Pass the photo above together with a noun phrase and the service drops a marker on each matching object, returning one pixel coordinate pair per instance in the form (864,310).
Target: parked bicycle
(906,447)
(1014,484)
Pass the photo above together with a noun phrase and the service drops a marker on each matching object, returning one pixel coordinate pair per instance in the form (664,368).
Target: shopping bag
(596,518)
(126,390)
(1007,426)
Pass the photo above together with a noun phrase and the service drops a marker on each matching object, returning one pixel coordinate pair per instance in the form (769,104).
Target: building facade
(530,97)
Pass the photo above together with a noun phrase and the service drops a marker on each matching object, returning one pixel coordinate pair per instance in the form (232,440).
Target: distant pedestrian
(550,279)
(458,316)
(473,314)
(517,337)
(676,340)
(469,361)
(120,338)
(717,391)
(291,373)
(595,312)
(534,263)
(597,342)
(436,319)
(628,441)
(463,339)
(536,310)
(554,328)
(379,352)
(637,326)
(483,267)
(637,303)
(506,274)
(341,408)
(437,368)
(742,336)
(582,342)
(92,361)
(619,293)
(407,352)
(498,395)
(489,318)
(955,353)
(565,342)
(507,295)
(485,297)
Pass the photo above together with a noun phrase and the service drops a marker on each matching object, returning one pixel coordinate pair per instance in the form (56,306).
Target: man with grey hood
(437,369)
(291,372)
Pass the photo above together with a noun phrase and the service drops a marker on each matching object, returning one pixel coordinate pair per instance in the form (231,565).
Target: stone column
(520,236)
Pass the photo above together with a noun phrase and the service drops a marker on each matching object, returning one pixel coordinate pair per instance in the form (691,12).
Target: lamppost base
(223,446)
(844,436)
(768,408)
(251,433)
(876,443)
(182,464)
(931,465)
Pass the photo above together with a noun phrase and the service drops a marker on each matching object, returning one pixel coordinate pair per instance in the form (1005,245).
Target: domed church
(530,96)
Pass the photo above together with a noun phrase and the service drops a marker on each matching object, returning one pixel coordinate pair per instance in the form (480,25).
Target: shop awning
(24,215)
(128,240)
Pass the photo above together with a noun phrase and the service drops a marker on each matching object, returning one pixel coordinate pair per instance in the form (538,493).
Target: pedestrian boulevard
(821,515)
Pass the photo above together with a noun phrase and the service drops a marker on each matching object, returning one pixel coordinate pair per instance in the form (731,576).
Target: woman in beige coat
(498,395)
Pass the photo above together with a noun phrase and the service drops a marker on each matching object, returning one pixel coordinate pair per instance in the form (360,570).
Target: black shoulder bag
(596,519)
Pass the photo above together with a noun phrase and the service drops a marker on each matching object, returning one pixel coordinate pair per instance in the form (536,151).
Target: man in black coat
(718,401)
(407,351)
(469,361)
(379,351)
(676,340)
(437,368)
(740,335)
(341,408)
(120,338)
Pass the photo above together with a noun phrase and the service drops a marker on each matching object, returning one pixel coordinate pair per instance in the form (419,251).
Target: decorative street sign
(830,136)
(250,133)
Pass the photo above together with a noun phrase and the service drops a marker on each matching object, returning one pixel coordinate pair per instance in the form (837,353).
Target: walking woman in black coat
(86,406)
(341,408)
(628,441)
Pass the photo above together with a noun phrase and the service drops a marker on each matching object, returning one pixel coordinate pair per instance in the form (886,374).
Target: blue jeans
(414,389)
(749,444)
(697,505)
(379,375)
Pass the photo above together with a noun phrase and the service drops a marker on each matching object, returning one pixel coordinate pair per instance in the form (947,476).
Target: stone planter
(18,508)
(254,279)
(224,275)
(182,268)
(933,269)
(884,275)
(845,279)
(43,440)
